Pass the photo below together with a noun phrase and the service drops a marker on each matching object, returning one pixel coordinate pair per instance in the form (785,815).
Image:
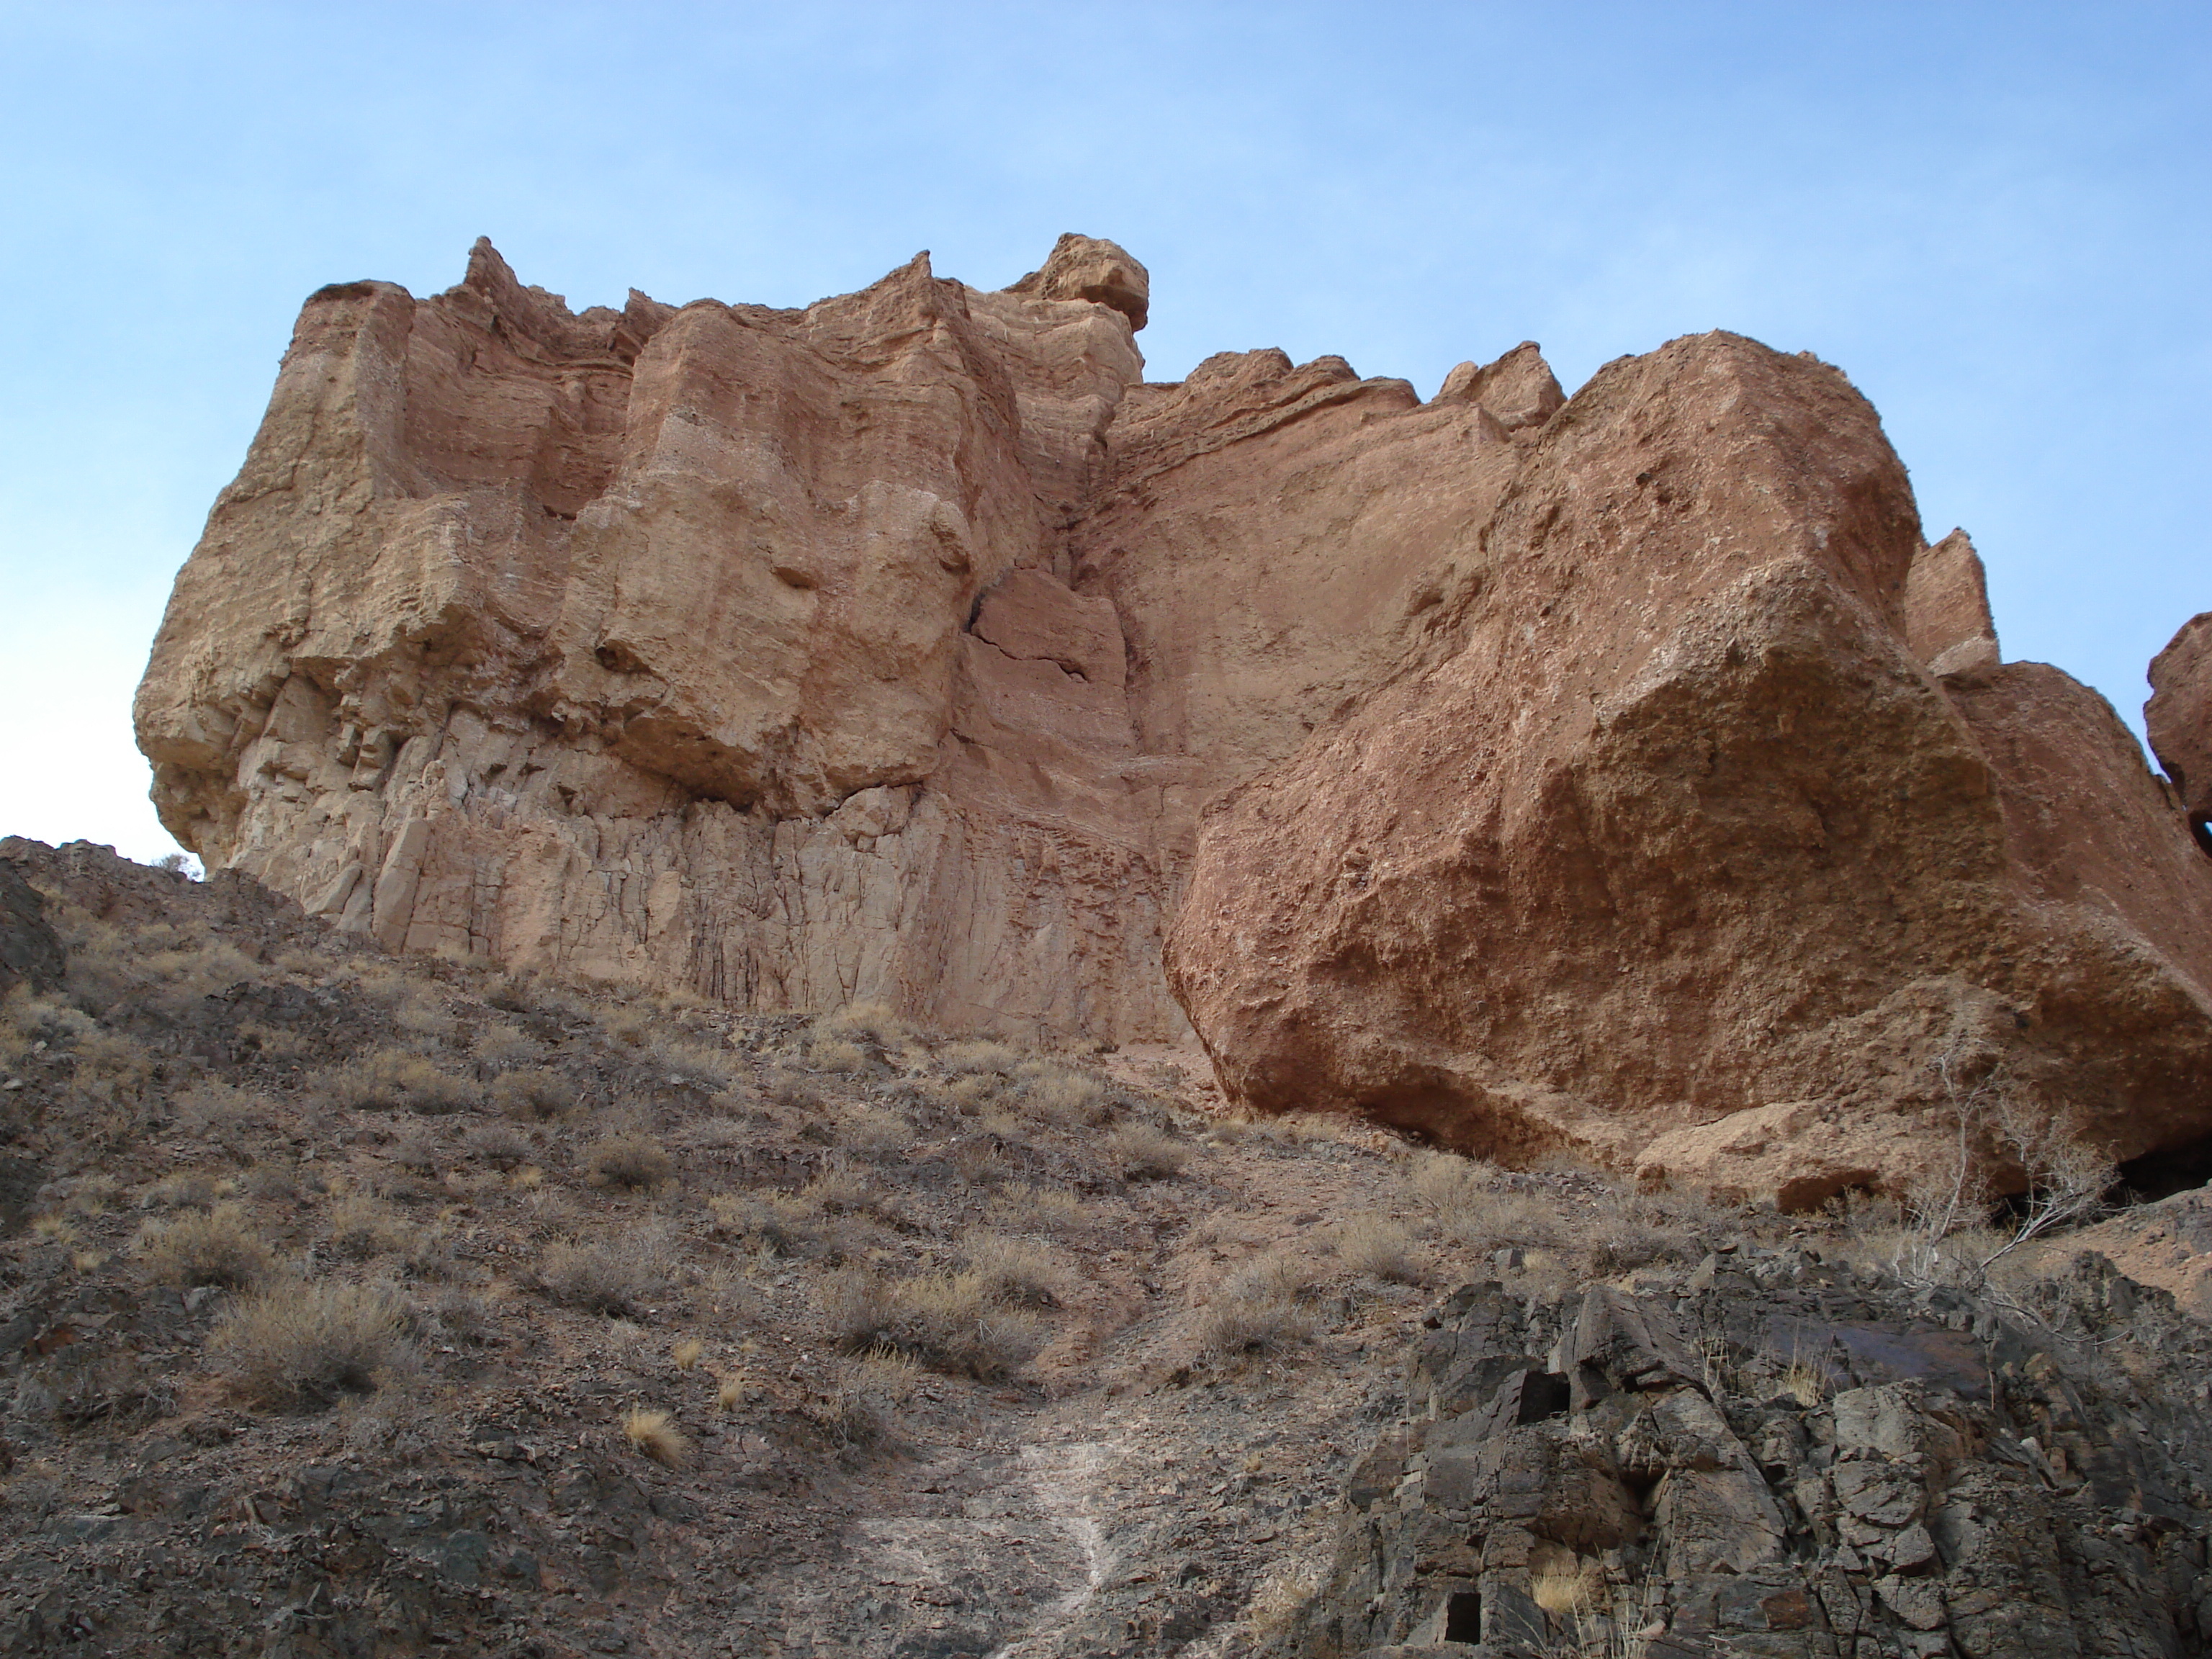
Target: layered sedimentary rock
(1669,844)
(1625,772)
(788,656)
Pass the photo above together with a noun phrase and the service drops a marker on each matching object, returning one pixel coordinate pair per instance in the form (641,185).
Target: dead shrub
(616,1274)
(1139,1152)
(302,1347)
(396,1080)
(837,1054)
(497,1145)
(502,1044)
(947,1321)
(218,1247)
(978,1058)
(533,1093)
(635,1162)
(866,1022)
(1061,1095)
(359,1227)
(871,1129)
(780,1224)
(1259,1309)
(1375,1247)
(1015,1272)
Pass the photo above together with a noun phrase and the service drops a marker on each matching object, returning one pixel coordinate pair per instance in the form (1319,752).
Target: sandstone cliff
(1624,771)
(791,657)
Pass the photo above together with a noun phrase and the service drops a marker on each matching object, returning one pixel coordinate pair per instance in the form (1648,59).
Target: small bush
(302,1347)
(838,1054)
(616,1275)
(871,1129)
(359,1227)
(1139,1153)
(947,1321)
(507,1045)
(397,1079)
(218,1247)
(497,1145)
(1376,1249)
(1059,1094)
(654,1434)
(1259,1309)
(866,1022)
(635,1162)
(782,1223)
(534,1094)
(979,1058)
(1015,1272)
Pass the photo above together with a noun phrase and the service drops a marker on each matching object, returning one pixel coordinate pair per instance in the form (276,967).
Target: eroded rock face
(791,657)
(1784,1457)
(1625,772)
(2179,718)
(1668,842)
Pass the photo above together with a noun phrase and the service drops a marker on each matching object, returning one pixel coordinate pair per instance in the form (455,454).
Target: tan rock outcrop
(2179,718)
(1666,845)
(1624,772)
(788,656)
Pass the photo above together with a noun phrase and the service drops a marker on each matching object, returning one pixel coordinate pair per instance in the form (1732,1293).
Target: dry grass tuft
(866,1022)
(1377,1249)
(218,1247)
(688,1353)
(654,1434)
(618,1274)
(947,1321)
(838,1054)
(302,1347)
(1566,1587)
(1139,1153)
(1015,1272)
(635,1162)
(359,1226)
(535,1094)
(1259,1309)
(395,1079)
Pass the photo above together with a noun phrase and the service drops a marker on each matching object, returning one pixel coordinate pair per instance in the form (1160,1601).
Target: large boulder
(1665,845)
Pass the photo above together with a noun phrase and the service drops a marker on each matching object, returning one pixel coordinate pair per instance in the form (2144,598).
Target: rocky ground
(353,1305)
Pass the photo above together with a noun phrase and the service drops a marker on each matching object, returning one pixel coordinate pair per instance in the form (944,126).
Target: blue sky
(1994,216)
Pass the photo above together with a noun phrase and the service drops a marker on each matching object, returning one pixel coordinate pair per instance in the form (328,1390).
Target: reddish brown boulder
(1663,845)
(2179,718)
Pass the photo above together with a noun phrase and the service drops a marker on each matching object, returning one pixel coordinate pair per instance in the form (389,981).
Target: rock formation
(1808,1464)
(2179,718)
(1667,842)
(1624,772)
(791,657)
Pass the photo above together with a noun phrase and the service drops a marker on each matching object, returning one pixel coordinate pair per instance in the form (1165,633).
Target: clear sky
(1993,215)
